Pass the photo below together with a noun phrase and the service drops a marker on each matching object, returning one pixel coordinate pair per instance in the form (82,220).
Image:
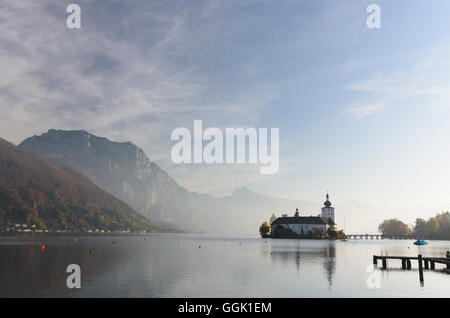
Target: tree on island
(394,227)
(332,233)
(264,229)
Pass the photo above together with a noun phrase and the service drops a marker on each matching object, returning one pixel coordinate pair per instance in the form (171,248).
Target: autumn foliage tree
(334,234)
(437,227)
(394,227)
(264,229)
(317,232)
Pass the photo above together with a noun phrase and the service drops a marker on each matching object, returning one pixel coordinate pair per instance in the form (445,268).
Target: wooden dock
(423,262)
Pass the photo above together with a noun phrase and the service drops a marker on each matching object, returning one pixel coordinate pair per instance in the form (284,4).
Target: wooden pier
(423,262)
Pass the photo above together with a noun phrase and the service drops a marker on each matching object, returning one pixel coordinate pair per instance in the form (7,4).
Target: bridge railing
(379,236)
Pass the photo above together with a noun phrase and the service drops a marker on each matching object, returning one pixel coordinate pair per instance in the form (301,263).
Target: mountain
(35,191)
(123,170)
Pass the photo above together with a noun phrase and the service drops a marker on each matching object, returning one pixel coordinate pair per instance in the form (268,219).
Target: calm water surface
(202,266)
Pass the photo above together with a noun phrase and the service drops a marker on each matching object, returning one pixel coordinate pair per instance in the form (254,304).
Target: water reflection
(201,266)
(300,253)
(26,270)
(330,264)
(131,267)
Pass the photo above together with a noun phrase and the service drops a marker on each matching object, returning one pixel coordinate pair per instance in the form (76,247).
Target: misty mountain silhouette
(35,191)
(125,171)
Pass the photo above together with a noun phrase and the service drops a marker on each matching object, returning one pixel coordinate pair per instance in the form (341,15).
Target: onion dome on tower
(327,203)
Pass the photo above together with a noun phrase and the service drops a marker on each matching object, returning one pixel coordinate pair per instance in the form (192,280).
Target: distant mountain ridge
(125,171)
(243,211)
(122,169)
(33,190)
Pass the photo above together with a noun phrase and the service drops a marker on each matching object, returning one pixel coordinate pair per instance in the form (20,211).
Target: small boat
(420,242)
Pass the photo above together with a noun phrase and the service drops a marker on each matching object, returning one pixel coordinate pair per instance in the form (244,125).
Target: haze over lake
(182,265)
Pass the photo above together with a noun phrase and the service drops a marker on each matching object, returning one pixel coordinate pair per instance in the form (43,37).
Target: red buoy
(42,247)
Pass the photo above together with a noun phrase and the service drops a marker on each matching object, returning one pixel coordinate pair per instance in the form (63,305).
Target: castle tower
(328,210)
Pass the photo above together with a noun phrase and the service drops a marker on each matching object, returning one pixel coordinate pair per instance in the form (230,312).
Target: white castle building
(303,226)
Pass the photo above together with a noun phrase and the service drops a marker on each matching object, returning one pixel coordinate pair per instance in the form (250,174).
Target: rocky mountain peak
(77,143)
(122,169)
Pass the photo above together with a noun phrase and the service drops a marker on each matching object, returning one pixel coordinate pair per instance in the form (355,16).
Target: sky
(362,113)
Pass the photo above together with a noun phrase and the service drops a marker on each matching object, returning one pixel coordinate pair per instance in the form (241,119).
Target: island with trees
(322,226)
(311,227)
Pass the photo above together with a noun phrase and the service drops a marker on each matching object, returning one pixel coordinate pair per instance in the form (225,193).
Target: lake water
(202,266)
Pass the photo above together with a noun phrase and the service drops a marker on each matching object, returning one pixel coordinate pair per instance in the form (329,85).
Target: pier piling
(420,268)
(423,262)
(448,264)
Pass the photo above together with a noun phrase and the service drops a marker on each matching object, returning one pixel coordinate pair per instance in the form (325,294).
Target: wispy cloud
(426,82)
(100,80)
(138,69)
(131,72)
(362,111)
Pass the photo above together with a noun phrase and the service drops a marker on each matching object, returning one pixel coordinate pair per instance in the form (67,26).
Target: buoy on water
(42,247)
(91,251)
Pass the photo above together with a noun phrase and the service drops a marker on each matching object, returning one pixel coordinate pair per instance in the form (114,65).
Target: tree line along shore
(435,228)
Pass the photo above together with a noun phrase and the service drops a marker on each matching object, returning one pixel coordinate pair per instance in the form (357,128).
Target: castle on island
(303,226)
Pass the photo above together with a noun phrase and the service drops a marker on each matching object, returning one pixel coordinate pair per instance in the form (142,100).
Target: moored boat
(420,242)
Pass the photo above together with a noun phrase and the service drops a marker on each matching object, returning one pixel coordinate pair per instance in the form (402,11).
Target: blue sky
(362,112)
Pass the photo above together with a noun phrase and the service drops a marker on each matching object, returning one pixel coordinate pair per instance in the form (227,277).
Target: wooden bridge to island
(378,237)
(423,262)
